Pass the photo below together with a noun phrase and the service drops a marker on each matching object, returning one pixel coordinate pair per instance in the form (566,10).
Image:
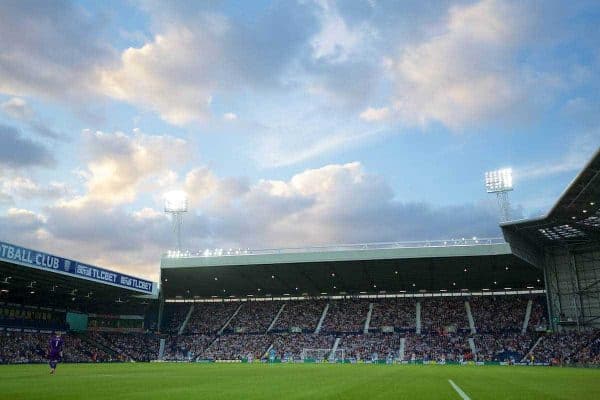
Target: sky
(287,123)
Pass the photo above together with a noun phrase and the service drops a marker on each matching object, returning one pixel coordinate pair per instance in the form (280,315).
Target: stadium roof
(395,268)
(574,219)
(32,277)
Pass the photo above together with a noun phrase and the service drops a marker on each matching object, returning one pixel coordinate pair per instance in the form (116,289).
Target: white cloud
(466,74)
(121,166)
(375,114)
(336,41)
(25,188)
(17,108)
(50,50)
(173,75)
(230,116)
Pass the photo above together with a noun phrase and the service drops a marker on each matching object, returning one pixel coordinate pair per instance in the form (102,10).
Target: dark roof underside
(574,219)
(352,277)
(61,291)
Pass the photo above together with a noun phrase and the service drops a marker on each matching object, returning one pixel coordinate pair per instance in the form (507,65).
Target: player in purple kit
(55,348)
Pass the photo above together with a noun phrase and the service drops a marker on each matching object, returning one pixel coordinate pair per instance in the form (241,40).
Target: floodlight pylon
(500,183)
(176,205)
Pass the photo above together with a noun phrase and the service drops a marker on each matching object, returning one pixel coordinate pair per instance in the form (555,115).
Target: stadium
(425,319)
(299,199)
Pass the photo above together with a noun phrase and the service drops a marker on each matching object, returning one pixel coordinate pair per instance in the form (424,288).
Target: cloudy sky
(288,122)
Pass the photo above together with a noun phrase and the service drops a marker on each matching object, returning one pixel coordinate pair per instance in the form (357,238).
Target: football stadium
(299,199)
(482,318)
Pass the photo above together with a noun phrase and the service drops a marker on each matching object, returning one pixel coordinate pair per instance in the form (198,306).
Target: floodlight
(176,204)
(175,201)
(499,180)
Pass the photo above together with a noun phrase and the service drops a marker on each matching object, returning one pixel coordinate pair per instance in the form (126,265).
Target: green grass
(282,381)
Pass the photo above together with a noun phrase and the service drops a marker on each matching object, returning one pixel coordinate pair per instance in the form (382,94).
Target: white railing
(340,247)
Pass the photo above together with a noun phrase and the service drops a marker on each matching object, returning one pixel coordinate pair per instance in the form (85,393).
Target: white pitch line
(459,390)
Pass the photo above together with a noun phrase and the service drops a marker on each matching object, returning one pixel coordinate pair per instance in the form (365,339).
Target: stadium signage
(40,260)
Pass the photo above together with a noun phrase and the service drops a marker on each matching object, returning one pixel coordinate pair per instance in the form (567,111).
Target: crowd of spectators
(291,346)
(444,315)
(590,353)
(130,346)
(396,313)
(21,348)
(346,316)
(186,347)
(371,346)
(567,347)
(537,319)
(237,347)
(178,312)
(254,317)
(502,346)
(493,314)
(445,334)
(437,347)
(300,315)
(209,318)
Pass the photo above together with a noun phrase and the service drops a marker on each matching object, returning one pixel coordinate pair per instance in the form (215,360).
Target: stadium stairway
(237,310)
(418,317)
(402,347)
(532,348)
(102,346)
(276,318)
(161,349)
(472,346)
(334,349)
(527,316)
(323,315)
(470,317)
(368,320)
(186,320)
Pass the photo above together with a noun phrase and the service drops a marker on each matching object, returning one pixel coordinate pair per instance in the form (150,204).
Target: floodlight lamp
(176,202)
(499,180)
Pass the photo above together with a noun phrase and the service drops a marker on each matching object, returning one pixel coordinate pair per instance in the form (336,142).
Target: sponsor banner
(39,260)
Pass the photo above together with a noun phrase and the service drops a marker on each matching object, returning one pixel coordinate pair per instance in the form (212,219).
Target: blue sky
(287,123)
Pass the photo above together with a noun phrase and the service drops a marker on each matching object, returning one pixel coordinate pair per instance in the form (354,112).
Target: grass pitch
(299,381)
